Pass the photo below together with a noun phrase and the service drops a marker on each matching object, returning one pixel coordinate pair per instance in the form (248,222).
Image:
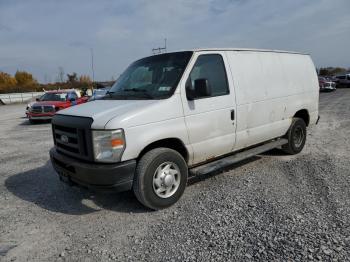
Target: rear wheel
(160,178)
(296,136)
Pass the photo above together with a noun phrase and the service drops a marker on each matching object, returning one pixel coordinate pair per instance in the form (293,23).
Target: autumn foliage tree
(25,81)
(7,82)
(85,80)
(330,71)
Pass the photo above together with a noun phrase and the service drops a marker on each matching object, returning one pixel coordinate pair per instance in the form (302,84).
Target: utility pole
(92,65)
(159,50)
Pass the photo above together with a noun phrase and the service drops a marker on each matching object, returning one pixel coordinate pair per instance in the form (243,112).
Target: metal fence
(18,97)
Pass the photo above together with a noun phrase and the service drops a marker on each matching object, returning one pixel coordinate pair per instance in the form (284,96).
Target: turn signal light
(117,143)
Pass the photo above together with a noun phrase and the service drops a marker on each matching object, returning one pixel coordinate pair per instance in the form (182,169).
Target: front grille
(37,109)
(72,136)
(67,140)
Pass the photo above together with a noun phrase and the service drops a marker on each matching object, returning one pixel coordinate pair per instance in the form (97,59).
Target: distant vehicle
(326,85)
(99,93)
(332,78)
(52,101)
(172,112)
(343,80)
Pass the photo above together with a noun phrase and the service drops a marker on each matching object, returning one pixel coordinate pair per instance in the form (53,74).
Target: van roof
(244,49)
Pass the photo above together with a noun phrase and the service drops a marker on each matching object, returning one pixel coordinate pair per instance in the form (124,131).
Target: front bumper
(100,177)
(46,116)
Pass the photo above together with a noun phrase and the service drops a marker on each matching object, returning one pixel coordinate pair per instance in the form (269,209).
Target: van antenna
(159,50)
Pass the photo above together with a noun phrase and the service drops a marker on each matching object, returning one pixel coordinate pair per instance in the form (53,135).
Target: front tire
(160,178)
(296,136)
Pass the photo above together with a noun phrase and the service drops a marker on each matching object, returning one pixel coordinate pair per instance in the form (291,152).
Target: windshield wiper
(141,92)
(138,93)
(110,92)
(135,90)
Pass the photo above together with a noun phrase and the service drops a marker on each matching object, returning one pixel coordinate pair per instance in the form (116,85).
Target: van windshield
(154,77)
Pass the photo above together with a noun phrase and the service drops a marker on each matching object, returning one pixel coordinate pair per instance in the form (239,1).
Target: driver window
(212,68)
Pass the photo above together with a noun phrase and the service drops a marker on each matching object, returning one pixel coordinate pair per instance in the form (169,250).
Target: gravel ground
(271,207)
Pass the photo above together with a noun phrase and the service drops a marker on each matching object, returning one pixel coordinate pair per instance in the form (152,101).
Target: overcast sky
(39,36)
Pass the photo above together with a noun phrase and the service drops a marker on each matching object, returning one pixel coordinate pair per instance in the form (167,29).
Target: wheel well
(172,143)
(303,114)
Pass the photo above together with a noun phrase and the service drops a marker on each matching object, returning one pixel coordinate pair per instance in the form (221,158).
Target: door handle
(232,114)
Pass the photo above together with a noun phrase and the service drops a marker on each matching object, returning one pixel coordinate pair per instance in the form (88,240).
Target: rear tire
(296,136)
(160,178)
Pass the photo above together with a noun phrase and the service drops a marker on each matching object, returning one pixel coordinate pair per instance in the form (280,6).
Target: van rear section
(271,88)
(174,115)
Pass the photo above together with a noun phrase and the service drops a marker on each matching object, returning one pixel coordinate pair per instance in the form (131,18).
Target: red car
(52,101)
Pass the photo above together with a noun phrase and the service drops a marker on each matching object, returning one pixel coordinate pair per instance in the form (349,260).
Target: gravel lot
(271,207)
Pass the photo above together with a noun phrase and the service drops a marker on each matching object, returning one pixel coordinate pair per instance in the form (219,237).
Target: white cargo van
(175,114)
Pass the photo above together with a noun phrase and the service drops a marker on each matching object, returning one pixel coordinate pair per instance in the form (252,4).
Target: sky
(40,36)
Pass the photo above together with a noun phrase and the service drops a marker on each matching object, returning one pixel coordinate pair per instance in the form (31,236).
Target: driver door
(210,120)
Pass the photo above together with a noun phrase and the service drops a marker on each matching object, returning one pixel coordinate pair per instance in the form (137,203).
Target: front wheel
(32,121)
(160,178)
(296,136)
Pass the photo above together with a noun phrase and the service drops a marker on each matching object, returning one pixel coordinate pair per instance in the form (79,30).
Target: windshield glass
(53,97)
(154,77)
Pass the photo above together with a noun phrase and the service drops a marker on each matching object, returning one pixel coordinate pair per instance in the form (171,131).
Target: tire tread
(287,148)
(146,159)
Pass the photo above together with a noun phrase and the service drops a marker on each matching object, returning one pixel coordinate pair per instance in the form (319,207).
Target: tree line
(23,81)
(332,71)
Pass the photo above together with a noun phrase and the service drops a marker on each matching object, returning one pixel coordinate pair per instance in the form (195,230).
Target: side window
(212,68)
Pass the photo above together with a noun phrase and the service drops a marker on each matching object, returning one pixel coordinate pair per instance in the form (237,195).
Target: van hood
(111,114)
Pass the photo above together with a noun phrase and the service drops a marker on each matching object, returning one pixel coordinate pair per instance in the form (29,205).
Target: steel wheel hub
(166,179)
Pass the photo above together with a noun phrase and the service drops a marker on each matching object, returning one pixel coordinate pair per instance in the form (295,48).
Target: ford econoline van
(173,115)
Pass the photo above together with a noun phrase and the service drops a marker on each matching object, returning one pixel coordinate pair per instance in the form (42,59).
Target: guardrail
(18,97)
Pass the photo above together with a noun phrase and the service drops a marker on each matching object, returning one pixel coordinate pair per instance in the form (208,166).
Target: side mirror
(201,89)
(37,99)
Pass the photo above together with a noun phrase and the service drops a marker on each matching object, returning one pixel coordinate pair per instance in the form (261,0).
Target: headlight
(108,145)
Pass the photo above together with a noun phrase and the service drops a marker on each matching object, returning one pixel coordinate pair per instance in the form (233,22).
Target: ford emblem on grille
(64,138)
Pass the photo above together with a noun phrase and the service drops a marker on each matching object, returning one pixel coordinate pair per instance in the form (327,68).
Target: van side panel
(303,67)
(270,88)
